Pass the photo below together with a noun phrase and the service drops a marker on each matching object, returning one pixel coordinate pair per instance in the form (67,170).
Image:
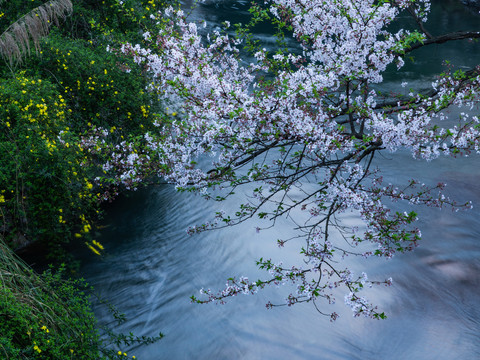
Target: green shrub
(50,111)
(95,84)
(45,193)
(43,317)
(48,317)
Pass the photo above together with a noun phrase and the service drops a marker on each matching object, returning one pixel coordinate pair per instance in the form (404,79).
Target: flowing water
(152,267)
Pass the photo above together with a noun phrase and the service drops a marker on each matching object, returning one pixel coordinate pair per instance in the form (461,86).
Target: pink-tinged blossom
(304,130)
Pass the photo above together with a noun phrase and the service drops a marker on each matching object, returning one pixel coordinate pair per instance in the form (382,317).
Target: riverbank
(66,104)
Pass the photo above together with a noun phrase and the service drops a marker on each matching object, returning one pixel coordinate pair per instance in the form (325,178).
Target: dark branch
(459,35)
(419,22)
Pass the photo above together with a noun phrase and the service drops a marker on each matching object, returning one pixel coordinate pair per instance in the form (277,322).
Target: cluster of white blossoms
(313,118)
(124,164)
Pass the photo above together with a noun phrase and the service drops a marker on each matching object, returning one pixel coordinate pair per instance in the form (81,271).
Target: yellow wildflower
(97,244)
(44,328)
(95,251)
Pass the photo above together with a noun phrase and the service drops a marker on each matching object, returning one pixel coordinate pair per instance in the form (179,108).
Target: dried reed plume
(16,40)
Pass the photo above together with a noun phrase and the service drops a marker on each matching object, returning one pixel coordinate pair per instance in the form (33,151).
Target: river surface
(152,266)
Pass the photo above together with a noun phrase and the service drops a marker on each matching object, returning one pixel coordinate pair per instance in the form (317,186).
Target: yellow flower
(119,352)
(97,244)
(95,251)
(2,199)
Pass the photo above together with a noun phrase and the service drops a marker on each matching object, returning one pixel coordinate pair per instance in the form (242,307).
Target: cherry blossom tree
(303,126)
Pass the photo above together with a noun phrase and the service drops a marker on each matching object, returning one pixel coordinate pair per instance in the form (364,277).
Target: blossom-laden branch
(304,127)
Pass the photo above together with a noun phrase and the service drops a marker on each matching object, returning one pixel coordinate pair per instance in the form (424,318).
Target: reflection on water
(152,268)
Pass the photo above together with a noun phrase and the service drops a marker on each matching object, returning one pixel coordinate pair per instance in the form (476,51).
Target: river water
(152,266)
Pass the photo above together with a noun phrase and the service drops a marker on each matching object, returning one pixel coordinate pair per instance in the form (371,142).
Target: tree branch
(459,35)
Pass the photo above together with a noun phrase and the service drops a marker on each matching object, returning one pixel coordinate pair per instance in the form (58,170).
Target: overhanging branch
(459,35)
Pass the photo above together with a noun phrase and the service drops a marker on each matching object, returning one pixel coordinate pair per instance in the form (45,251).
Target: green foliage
(408,40)
(43,317)
(49,317)
(45,192)
(51,104)
(97,87)
(74,88)
(109,21)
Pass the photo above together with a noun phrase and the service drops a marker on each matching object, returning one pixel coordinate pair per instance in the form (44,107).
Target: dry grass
(29,289)
(16,40)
